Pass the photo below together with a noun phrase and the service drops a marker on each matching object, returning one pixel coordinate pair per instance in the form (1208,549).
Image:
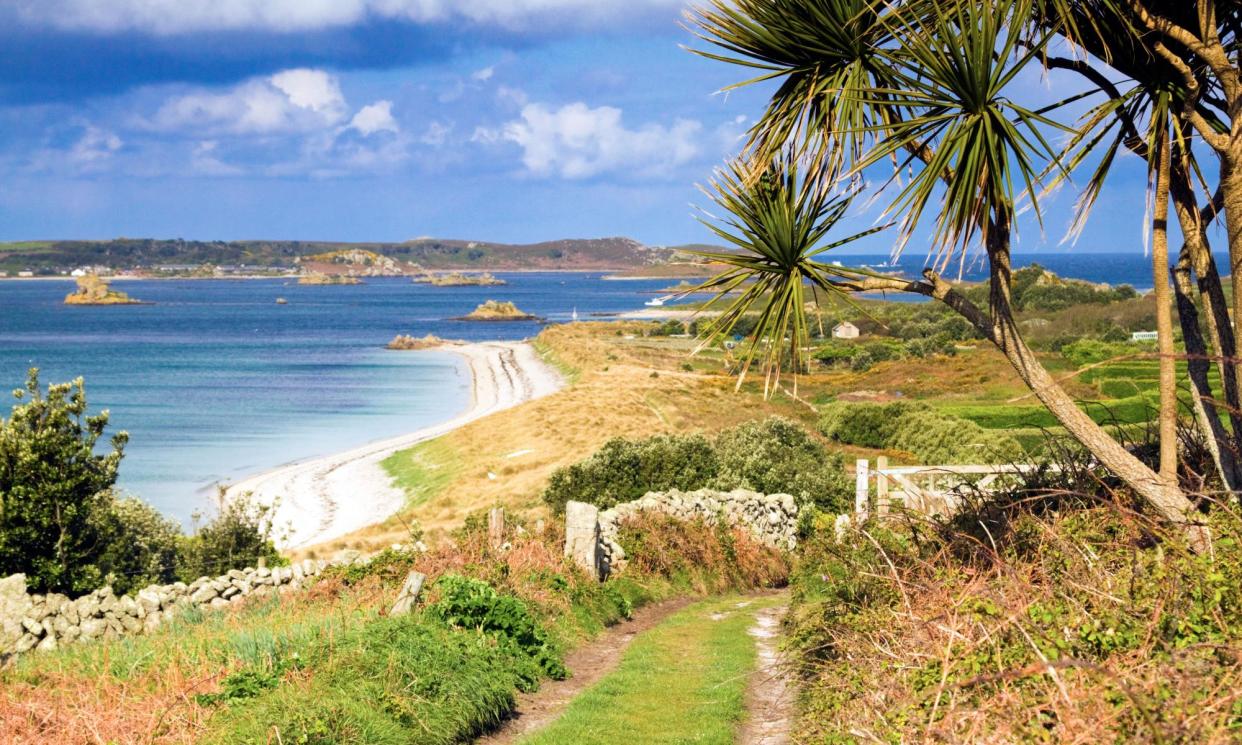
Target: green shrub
(140,545)
(239,535)
(867,425)
(771,456)
(937,439)
(862,361)
(469,603)
(624,470)
(1090,351)
(54,484)
(776,455)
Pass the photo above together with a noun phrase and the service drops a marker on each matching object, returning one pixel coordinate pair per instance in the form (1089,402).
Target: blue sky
(505,120)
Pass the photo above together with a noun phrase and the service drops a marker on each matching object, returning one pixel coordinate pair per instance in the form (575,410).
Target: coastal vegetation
(94,290)
(770,456)
(498,310)
(64,527)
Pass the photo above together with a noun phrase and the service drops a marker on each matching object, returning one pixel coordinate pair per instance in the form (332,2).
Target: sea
(214,381)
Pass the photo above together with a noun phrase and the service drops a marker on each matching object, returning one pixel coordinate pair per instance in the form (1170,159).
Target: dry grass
(1077,630)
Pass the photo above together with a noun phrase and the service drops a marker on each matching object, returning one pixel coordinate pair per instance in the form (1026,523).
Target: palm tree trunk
(1198,369)
(1164,313)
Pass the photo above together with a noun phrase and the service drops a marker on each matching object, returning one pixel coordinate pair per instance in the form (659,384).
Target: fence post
(862,490)
(496,526)
(881,486)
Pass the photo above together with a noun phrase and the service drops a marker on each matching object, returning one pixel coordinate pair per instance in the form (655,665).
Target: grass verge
(424,470)
(684,681)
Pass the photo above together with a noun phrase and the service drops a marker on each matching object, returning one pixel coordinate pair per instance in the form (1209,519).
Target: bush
(778,456)
(938,439)
(624,470)
(863,424)
(240,535)
(140,545)
(54,486)
(771,456)
(931,436)
(469,603)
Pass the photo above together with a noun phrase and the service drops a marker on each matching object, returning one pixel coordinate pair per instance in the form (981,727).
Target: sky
(502,120)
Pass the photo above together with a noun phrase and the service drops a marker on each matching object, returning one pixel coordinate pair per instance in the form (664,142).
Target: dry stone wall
(45,622)
(770,518)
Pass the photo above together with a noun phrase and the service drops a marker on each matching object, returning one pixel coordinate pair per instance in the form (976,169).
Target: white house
(845,330)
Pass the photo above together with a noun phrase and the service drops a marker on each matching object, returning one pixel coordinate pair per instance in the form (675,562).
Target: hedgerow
(771,456)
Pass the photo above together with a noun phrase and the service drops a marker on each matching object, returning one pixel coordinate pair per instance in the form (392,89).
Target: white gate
(930,490)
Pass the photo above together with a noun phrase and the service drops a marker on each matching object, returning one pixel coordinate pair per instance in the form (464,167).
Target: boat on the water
(655,302)
(281,301)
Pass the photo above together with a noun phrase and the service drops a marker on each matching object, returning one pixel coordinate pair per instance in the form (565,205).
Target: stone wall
(32,621)
(770,518)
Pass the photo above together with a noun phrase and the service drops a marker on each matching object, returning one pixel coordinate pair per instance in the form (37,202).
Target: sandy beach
(327,497)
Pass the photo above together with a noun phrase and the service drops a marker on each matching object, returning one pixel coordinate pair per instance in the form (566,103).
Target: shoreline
(333,495)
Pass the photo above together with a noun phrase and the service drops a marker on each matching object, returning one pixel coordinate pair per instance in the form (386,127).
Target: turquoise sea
(215,381)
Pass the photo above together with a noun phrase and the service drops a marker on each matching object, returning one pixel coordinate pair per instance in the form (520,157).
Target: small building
(25,275)
(78,273)
(845,330)
(1144,336)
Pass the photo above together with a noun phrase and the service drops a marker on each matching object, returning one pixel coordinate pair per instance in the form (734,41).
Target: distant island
(497,310)
(458,279)
(150,257)
(406,342)
(93,290)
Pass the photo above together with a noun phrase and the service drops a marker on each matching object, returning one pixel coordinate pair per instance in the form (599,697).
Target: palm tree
(942,112)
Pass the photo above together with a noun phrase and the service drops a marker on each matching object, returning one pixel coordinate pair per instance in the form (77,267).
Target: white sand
(329,497)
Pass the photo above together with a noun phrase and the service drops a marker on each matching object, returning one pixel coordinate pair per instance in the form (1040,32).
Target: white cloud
(93,146)
(577,141)
(436,134)
(376,117)
(181,16)
(485,74)
(293,100)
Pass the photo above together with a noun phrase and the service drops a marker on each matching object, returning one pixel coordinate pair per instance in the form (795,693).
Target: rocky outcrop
(406,342)
(459,279)
(495,310)
(45,622)
(770,518)
(93,290)
(328,279)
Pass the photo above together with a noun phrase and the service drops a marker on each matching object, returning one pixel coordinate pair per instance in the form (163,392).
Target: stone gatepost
(582,538)
(408,594)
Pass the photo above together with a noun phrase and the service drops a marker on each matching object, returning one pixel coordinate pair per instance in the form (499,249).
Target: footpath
(682,671)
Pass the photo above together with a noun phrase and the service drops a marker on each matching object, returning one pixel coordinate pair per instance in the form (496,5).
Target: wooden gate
(929,490)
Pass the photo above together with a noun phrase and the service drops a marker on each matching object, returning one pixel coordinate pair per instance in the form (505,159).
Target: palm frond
(781,224)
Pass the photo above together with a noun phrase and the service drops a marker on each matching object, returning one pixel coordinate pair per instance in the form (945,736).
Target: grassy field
(682,682)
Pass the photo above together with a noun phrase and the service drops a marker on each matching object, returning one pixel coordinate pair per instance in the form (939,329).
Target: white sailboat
(574,316)
(656,302)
